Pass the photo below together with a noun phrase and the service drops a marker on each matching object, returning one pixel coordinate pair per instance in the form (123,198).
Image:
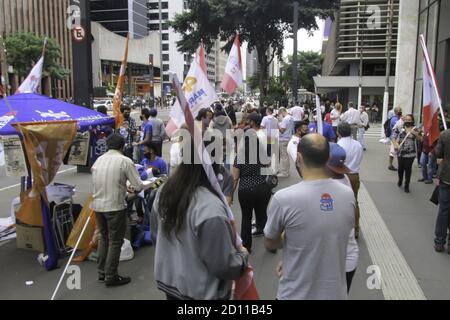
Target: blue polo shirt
(158,164)
(147,128)
(328,131)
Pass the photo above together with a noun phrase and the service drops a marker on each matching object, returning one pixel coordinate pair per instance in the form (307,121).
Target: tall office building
(359,35)
(221,63)
(430,18)
(43,18)
(172,59)
(121,16)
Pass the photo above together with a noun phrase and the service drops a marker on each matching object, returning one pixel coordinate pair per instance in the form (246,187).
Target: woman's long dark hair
(178,192)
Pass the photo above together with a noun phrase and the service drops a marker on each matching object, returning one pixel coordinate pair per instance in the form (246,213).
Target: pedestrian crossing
(374,132)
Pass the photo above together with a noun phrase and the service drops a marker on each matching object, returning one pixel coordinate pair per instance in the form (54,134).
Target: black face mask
(409,124)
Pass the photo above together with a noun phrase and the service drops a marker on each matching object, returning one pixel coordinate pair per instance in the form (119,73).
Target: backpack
(387,128)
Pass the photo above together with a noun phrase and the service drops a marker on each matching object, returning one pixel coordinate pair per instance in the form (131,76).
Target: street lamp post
(294,56)
(4,66)
(161,54)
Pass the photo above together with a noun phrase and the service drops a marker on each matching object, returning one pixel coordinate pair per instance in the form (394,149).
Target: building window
(165,47)
(166,78)
(165,57)
(165,67)
(165,5)
(153,5)
(153,26)
(153,16)
(165,36)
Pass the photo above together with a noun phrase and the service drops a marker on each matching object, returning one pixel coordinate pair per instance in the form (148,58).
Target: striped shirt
(109,176)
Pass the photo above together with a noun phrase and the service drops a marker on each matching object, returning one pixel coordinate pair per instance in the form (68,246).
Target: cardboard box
(30,238)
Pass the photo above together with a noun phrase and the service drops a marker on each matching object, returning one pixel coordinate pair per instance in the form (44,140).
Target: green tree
(309,66)
(264,24)
(25,49)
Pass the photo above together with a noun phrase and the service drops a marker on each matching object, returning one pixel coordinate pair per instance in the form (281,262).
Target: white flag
(198,92)
(232,78)
(319,116)
(32,82)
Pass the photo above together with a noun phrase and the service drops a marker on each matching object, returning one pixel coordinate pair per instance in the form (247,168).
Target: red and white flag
(198,92)
(32,82)
(233,71)
(431,99)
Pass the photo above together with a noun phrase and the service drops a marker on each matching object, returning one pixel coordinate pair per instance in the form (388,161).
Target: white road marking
(397,279)
(18,184)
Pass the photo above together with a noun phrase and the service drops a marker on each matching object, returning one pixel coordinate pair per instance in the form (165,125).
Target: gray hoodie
(201,261)
(222,123)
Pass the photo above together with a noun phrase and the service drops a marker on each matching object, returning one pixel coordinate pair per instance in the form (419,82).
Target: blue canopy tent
(31,107)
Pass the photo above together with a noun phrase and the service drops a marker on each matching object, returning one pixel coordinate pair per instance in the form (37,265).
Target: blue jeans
(428,164)
(443,221)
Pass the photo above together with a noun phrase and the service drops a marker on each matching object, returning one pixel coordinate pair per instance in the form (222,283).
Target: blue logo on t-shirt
(326,203)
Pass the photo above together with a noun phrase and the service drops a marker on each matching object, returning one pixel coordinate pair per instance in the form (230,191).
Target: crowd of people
(315,222)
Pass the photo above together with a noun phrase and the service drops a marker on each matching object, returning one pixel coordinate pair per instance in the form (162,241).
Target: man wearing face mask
(147,131)
(151,160)
(395,123)
(328,131)
(301,130)
(128,131)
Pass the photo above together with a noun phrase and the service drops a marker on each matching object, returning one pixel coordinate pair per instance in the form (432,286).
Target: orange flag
(86,213)
(46,144)
(118,96)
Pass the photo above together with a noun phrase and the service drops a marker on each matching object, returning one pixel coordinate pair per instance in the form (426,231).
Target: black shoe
(275,251)
(421,180)
(407,190)
(257,233)
(101,279)
(392,168)
(429,182)
(117,281)
(439,248)
(399,184)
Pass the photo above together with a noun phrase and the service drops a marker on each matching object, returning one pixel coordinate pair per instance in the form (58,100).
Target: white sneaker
(282,175)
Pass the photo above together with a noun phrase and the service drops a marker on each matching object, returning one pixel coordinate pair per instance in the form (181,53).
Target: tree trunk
(263,76)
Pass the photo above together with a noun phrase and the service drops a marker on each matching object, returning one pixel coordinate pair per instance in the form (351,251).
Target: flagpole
(433,78)
(4,65)
(71,256)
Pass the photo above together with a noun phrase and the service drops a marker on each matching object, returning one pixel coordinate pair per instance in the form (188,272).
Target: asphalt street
(409,219)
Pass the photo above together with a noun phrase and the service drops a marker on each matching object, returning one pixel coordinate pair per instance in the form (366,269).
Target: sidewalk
(410,218)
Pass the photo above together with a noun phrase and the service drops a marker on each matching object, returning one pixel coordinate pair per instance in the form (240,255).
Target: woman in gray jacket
(196,257)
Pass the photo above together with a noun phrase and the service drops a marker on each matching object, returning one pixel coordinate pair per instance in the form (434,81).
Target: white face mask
(315,118)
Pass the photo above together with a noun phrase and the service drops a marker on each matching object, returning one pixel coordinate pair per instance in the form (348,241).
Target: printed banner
(14,157)
(46,143)
(79,151)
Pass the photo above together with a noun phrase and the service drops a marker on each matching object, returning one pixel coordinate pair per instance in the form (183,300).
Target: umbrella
(31,107)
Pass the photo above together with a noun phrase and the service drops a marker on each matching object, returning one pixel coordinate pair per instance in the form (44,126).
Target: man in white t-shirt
(312,221)
(297,113)
(353,118)
(286,132)
(270,126)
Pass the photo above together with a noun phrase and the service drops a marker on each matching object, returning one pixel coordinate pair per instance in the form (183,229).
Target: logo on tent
(52,114)
(5,119)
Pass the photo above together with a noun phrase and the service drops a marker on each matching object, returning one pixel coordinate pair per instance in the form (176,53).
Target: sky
(306,43)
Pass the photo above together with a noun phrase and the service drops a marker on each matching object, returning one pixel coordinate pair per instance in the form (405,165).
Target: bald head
(315,151)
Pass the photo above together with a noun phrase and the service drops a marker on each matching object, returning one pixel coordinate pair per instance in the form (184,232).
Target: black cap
(256,118)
